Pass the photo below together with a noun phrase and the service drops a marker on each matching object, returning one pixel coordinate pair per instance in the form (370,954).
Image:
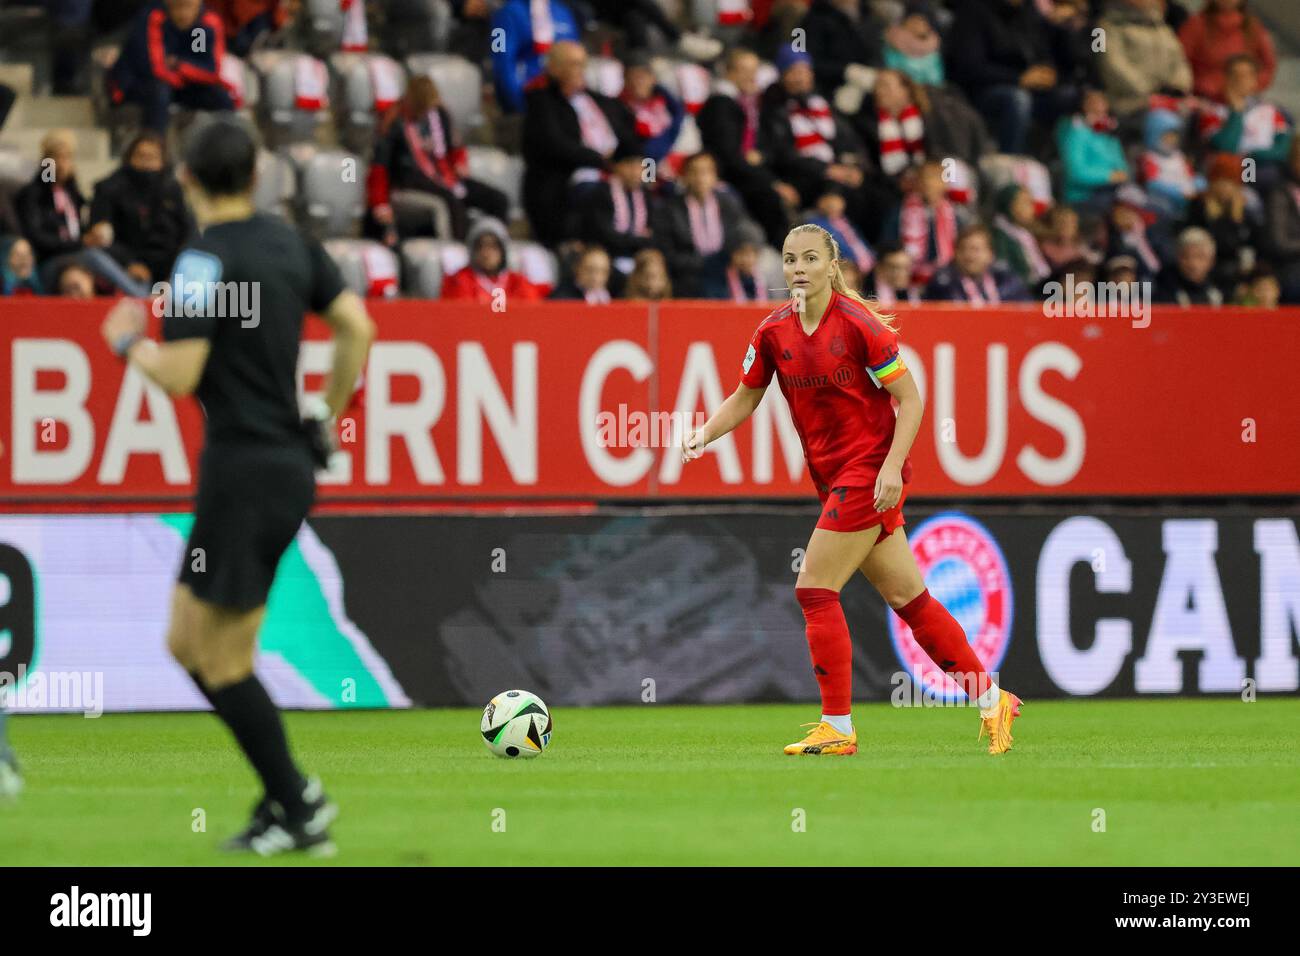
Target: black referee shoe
(306,831)
(242,842)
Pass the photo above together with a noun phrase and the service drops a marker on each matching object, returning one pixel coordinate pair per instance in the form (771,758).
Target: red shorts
(854,509)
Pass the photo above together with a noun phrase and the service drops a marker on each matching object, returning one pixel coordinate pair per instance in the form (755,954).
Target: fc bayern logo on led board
(966,572)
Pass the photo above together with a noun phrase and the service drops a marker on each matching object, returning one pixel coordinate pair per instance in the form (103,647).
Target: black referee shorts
(251,500)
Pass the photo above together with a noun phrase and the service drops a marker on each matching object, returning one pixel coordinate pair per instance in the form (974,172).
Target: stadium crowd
(974,150)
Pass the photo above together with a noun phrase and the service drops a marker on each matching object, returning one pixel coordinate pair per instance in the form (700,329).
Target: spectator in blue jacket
(528,31)
(1091,153)
(172,54)
(973,276)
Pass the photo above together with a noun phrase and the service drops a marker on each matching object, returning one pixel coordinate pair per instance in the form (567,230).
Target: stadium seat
(295,94)
(370,83)
(689,82)
(322,22)
(498,168)
(418,213)
(535,261)
(332,191)
(276,185)
(369,268)
(459,82)
(16,168)
(242,81)
(416,26)
(771,270)
(604,74)
(426,261)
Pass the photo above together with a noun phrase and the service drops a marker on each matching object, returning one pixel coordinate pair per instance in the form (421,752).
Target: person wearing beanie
(912,45)
(487,280)
(1166,172)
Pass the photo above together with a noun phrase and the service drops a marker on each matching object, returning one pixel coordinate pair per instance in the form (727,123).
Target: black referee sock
(248,711)
(203,688)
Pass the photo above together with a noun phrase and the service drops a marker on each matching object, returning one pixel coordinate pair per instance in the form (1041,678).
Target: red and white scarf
(813,127)
(692,85)
(629,211)
(64,206)
(310,83)
(749,106)
(989,295)
(914,231)
(1028,245)
(433,153)
(651,115)
(1136,240)
(902,139)
(736,286)
(539,17)
(706,223)
(597,134)
(856,247)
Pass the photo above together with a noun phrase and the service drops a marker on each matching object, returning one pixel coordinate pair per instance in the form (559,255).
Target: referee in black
(230,336)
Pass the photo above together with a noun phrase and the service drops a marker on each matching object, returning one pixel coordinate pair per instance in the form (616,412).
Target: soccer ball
(516,724)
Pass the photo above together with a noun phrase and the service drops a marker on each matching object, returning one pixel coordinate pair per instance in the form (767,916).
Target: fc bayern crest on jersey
(966,572)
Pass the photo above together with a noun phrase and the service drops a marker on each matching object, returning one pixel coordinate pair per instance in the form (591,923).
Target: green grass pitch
(1180,781)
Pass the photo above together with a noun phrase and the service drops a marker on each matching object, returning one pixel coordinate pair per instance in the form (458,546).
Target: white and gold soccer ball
(516,723)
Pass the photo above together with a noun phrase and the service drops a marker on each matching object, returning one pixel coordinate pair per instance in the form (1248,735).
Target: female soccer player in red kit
(838,364)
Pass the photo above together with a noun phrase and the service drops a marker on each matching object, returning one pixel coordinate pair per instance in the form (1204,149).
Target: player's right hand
(693,446)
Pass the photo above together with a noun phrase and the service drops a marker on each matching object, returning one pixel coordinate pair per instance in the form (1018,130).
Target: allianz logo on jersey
(842,376)
(196,291)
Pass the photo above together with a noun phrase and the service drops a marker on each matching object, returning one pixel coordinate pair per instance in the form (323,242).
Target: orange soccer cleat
(998,724)
(824,740)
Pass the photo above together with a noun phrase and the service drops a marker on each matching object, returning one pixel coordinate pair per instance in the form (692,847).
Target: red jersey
(834,382)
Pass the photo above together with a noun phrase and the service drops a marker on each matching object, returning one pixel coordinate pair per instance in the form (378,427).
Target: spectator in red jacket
(1224,29)
(172,54)
(486,280)
(417,150)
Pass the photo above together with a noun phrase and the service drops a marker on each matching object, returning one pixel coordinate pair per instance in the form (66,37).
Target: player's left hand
(127,315)
(889,487)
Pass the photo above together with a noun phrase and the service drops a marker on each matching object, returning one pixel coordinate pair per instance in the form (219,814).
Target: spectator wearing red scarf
(417,150)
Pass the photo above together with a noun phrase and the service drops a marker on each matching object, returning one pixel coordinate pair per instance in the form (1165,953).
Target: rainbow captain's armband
(888,371)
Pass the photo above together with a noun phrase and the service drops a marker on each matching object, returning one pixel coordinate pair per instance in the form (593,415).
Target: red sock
(831,648)
(940,636)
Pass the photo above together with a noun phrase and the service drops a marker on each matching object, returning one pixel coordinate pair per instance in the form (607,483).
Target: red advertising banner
(561,402)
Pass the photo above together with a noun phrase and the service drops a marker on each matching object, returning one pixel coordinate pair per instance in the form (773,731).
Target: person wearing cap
(809,145)
(620,213)
(1189,280)
(658,114)
(569,135)
(1223,212)
(487,280)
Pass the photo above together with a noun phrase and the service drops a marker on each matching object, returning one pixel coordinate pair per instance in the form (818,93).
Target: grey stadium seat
(604,74)
(287,122)
(356,102)
(276,185)
(498,168)
(351,256)
(16,169)
(426,261)
(332,192)
(460,83)
(534,260)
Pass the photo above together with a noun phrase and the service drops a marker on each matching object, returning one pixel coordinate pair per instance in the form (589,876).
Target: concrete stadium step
(53,111)
(18,75)
(92,144)
(1286,85)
